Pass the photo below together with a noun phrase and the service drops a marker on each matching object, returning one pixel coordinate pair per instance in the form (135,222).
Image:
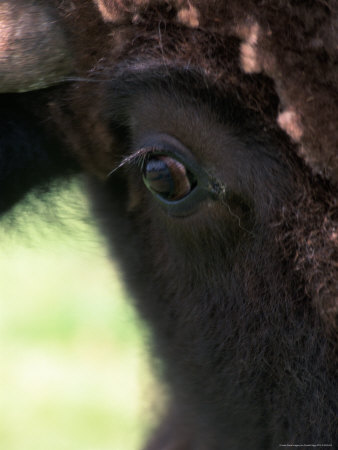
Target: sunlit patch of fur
(289,122)
(189,16)
(109,11)
(248,51)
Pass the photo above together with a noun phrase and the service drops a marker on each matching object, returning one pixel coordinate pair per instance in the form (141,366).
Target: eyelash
(135,159)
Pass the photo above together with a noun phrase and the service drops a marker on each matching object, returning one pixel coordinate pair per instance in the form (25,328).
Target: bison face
(223,225)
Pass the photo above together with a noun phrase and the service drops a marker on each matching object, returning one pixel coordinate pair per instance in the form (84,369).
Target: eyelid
(159,144)
(162,144)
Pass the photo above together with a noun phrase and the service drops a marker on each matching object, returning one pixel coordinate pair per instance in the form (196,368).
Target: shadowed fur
(240,292)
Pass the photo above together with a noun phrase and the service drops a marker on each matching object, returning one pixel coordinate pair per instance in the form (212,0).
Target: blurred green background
(74,370)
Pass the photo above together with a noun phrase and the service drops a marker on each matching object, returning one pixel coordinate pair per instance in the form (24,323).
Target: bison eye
(167,177)
(179,184)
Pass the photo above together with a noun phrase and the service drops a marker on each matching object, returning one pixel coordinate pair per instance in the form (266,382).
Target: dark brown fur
(240,297)
(304,68)
(296,46)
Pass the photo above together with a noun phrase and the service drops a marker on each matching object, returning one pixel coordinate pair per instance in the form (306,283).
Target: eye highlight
(167,177)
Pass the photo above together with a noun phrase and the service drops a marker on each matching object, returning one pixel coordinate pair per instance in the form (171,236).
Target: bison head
(207,130)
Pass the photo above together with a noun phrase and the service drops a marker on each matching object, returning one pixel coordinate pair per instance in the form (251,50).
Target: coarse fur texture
(240,292)
(285,38)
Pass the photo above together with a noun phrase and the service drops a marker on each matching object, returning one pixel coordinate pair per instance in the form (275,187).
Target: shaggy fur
(241,296)
(294,43)
(303,67)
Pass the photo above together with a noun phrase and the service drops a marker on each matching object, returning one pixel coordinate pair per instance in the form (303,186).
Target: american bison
(207,130)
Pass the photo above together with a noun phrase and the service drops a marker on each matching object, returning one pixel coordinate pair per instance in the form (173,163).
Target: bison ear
(33,46)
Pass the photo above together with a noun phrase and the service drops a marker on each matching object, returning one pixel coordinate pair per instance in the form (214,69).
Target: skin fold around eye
(171,173)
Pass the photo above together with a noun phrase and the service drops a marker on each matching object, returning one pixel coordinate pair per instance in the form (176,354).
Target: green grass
(74,369)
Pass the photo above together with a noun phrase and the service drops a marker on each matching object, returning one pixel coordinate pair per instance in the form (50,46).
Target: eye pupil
(167,177)
(159,177)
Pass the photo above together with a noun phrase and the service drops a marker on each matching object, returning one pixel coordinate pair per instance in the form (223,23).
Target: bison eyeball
(167,177)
